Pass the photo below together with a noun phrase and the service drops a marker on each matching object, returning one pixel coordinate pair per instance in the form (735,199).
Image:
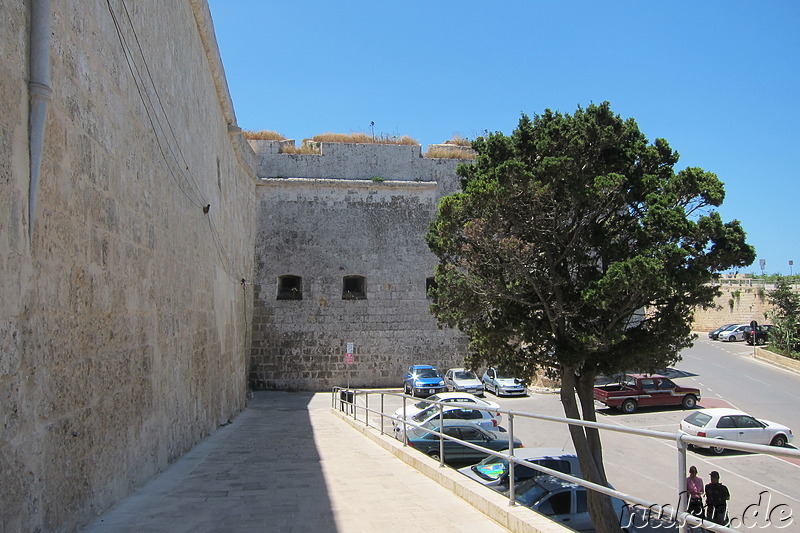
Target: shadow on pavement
(260,473)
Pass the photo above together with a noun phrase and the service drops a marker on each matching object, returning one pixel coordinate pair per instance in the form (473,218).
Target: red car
(645,390)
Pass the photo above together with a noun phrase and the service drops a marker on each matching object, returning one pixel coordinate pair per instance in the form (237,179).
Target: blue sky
(719,80)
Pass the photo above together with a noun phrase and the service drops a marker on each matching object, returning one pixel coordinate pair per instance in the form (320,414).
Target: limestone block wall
(357,162)
(735,305)
(123,321)
(322,231)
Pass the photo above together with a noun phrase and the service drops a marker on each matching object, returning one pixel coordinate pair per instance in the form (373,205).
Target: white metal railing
(348,399)
(755,283)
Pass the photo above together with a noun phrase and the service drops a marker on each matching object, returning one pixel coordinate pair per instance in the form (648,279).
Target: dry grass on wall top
(438,153)
(458,140)
(263,135)
(363,138)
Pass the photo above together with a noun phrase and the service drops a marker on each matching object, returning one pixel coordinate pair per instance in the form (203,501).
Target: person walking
(694,490)
(717,496)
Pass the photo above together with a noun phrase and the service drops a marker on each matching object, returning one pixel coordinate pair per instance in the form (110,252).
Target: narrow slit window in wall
(290,288)
(430,287)
(354,288)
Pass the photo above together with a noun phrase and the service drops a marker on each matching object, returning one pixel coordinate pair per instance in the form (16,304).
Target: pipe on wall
(40,95)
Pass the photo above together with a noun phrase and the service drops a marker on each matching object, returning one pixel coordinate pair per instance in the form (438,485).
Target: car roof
(446,395)
(422,366)
(537,453)
(552,483)
(721,411)
(646,376)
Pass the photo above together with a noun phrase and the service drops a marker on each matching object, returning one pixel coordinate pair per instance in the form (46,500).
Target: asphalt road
(765,490)
(726,375)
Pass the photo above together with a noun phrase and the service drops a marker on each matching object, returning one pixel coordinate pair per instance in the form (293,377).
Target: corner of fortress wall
(354,210)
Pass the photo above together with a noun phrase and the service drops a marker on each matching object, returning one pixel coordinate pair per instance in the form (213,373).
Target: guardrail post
(512,497)
(683,496)
(441,437)
(366,408)
(382,410)
(403,426)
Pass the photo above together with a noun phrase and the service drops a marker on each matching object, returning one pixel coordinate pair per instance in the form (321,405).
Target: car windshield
(503,375)
(426,402)
(530,492)
(426,413)
(465,375)
(493,468)
(426,373)
(698,418)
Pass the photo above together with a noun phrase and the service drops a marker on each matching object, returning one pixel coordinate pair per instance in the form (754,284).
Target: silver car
(501,384)
(493,471)
(463,380)
(564,502)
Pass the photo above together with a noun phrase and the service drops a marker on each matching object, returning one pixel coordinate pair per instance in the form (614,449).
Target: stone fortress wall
(123,322)
(741,300)
(352,217)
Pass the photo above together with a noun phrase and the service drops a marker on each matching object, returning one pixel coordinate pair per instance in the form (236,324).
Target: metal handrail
(681,440)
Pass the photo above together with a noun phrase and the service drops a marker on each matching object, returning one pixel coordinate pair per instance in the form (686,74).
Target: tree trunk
(588,447)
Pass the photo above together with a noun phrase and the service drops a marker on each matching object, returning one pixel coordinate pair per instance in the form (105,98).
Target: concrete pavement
(290,463)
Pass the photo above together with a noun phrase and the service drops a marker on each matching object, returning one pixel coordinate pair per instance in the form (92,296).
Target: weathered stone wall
(739,302)
(322,230)
(123,322)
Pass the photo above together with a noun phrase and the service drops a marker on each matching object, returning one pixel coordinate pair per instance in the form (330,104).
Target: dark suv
(761,336)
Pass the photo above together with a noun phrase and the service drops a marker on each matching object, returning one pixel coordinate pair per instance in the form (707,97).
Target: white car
(430,416)
(735,333)
(461,398)
(463,380)
(734,425)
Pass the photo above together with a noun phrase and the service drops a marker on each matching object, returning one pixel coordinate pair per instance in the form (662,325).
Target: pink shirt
(694,486)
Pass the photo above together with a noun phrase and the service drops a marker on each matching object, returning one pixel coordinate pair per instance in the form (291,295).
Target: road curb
(492,504)
(778,360)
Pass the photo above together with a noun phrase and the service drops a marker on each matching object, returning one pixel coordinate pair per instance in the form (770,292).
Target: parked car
(564,502)
(735,333)
(493,471)
(761,334)
(734,425)
(463,380)
(426,441)
(423,380)
(430,416)
(714,333)
(462,399)
(501,384)
(645,390)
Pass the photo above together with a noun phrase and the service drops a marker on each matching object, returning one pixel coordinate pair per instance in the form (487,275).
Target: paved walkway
(288,464)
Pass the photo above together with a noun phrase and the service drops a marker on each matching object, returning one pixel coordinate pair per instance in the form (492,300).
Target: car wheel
(689,401)
(779,441)
(628,406)
(434,455)
(718,450)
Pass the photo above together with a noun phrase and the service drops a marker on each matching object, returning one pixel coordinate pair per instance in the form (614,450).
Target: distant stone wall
(391,162)
(736,305)
(321,231)
(123,323)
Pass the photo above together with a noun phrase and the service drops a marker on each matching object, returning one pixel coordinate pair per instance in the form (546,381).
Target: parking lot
(764,488)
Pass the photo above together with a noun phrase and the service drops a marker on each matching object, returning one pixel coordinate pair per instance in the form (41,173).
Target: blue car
(423,380)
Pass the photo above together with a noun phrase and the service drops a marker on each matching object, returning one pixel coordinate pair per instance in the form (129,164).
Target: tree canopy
(576,247)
